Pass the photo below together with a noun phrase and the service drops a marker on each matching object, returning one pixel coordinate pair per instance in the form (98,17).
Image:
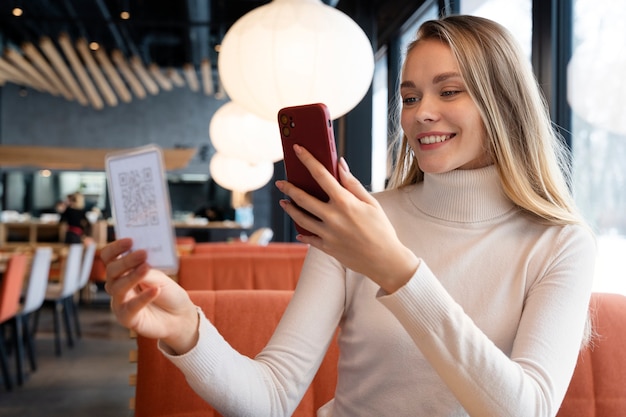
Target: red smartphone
(310,126)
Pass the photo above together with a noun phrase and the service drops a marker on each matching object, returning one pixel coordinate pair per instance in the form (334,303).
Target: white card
(141,204)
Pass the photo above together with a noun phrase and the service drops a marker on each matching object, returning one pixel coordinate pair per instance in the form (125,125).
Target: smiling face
(441,121)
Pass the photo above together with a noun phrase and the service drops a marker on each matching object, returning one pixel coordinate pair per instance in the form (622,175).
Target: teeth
(427,140)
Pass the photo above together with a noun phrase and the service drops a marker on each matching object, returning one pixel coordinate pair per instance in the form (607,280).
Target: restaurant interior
(202,80)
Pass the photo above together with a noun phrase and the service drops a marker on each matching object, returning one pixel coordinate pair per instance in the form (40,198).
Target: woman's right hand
(146,300)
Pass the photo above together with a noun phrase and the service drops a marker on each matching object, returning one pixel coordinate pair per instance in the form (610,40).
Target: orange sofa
(246,319)
(244,247)
(598,387)
(240,269)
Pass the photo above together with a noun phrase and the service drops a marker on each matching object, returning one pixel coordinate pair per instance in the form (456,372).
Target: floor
(90,379)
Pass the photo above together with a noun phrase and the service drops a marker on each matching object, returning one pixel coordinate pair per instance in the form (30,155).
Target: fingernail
(344,164)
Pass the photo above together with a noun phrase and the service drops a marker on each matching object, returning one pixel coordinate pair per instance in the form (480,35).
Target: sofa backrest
(246,319)
(246,247)
(598,387)
(237,270)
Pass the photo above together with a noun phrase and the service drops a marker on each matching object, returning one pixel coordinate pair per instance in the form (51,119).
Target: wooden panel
(47,157)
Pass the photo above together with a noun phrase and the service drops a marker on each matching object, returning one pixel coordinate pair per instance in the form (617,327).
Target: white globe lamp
(293,52)
(236,132)
(238,175)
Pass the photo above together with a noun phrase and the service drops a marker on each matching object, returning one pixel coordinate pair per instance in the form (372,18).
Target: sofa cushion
(598,387)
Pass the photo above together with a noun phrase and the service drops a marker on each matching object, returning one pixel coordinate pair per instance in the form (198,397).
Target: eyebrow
(445,76)
(436,80)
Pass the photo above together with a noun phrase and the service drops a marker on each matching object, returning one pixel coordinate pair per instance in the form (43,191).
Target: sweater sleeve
(272,383)
(534,379)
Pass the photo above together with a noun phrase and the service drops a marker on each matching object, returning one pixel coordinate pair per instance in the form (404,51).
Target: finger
(352,184)
(119,266)
(121,286)
(318,171)
(320,174)
(133,305)
(300,216)
(128,311)
(114,249)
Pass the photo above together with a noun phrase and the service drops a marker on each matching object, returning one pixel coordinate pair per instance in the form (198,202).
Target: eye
(450,93)
(410,100)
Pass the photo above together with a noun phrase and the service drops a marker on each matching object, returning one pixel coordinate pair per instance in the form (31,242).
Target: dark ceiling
(161,40)
(167,32)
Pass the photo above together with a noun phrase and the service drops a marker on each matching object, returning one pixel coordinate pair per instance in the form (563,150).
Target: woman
(461,290)
(74,218)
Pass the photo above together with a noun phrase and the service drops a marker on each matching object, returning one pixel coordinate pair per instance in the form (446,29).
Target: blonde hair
(530,157)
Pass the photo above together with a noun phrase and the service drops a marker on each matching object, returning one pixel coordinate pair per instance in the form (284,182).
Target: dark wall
(177,118)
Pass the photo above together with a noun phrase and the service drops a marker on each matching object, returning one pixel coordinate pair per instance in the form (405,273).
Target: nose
(426,111)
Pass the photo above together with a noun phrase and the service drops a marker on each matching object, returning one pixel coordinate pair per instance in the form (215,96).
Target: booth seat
(598,388)
(241,247)
(237,265)
(240,270)
(246,319)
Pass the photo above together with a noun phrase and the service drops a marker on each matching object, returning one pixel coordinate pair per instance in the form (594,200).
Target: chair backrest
(86,264)
(261,236)
(598,387)
(246,319)
(71,273)
(12,283)
(38,280)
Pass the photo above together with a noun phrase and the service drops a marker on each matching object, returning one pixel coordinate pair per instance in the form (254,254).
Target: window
(515,15)
(379,125)
(596,93)
(380,128)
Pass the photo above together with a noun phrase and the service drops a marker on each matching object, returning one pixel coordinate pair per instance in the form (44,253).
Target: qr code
(138,198)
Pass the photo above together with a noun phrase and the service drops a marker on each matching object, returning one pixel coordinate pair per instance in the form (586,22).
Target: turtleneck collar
(462,196)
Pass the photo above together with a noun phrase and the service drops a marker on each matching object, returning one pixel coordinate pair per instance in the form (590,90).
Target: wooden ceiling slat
(60,158)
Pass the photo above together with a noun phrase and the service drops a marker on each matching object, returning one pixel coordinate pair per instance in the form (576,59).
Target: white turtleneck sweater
(489,325)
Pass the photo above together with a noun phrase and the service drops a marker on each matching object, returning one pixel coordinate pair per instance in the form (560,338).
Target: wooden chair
(83,280)
(10,292)
(261,236)
(33,300)
(59,295)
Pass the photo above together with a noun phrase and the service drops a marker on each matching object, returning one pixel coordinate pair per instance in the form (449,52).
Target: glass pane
(91,184)
(408,36)
(380,170)
(379,125)
(515,15)
(596,93)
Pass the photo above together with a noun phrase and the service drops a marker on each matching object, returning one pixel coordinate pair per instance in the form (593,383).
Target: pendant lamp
(292,52)
(236,132)
(238,175)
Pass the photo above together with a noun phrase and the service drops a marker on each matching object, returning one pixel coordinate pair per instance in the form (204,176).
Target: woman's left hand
(351,226)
